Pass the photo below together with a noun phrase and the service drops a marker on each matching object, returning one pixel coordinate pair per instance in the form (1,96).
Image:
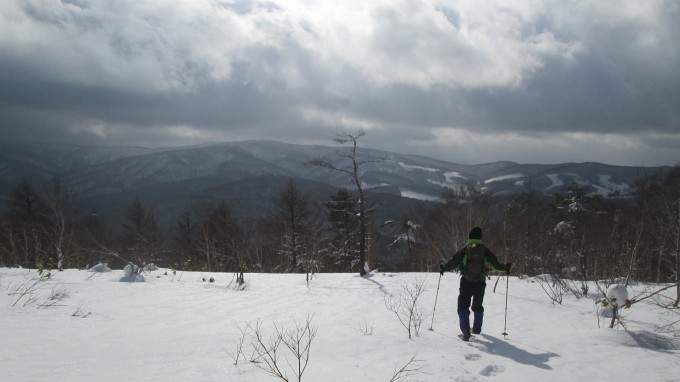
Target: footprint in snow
(491,370)
(466,378)
(473,357)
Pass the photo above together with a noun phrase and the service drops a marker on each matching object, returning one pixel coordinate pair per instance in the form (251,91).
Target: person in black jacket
(474,260)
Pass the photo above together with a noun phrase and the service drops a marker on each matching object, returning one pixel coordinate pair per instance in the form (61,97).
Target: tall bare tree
(352,166)
(222,240)
(25,233)
(300,222)
(59,202)
(658,197)
(291,210)
(186,239)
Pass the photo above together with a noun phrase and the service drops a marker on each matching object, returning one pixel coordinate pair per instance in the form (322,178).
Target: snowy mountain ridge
(249,173)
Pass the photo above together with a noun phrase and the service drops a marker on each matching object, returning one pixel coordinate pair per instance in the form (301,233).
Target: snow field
(182,328)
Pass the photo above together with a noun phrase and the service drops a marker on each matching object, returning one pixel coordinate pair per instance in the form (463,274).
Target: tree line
(572,235)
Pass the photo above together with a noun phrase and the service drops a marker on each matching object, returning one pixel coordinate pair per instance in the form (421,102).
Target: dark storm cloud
(430,77)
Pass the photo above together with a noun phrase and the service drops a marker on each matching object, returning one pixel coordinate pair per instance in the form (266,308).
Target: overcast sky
(465,81)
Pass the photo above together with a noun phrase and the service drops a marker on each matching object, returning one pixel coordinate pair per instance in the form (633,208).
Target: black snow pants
(471,293)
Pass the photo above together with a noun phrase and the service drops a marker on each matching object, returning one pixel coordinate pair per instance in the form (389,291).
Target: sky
(464,81)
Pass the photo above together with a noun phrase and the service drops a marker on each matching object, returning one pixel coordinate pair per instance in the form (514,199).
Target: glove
(508,266)
(441,269)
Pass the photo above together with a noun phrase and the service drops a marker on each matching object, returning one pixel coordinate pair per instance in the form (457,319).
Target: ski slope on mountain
(91,326)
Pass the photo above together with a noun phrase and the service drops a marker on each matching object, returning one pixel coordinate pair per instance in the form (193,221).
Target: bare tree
(222,239)
(299,221)
(186,239)
(658,197)
(142,235)
(267,355)
(90,234)
(353,169)
(59,202)
(412,368)
(406,307)
(25,234)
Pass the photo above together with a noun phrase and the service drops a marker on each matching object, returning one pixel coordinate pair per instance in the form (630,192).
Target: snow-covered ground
(181,328)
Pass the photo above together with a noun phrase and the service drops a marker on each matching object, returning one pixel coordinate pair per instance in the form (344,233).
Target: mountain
(248,174)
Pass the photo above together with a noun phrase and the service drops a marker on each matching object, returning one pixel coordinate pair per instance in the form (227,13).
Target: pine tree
(343,217)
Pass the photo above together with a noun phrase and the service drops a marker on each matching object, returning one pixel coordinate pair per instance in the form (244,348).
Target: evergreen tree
(344,225)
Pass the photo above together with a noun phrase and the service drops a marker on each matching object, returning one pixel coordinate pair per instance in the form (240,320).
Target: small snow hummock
(101,267)
(617,295)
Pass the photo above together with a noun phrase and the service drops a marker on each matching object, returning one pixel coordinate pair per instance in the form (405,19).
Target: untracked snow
(178,327)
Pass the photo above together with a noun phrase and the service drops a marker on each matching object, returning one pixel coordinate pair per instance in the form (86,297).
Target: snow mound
(100,268)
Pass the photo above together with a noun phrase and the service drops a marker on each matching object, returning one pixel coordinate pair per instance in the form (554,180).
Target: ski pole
(435,300)
(505,324)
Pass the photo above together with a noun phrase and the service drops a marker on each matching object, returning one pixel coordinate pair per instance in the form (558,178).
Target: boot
(477,325)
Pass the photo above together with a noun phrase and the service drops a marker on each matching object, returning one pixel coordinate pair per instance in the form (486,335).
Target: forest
(571,235)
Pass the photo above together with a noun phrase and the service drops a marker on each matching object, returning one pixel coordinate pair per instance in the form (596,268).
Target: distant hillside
(248,174)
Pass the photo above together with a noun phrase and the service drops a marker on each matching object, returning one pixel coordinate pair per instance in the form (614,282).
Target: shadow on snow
(503,348)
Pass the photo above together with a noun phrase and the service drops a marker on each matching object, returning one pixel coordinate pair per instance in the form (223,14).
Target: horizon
(207,144)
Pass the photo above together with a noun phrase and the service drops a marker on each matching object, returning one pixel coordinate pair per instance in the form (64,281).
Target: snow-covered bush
(564,228)
(616,298)
(617,295)
(150,267)
(131,272)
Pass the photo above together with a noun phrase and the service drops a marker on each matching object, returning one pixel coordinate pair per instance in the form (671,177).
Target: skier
(473,261)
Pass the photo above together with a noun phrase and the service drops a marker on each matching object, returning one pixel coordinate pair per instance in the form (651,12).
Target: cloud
(418,76)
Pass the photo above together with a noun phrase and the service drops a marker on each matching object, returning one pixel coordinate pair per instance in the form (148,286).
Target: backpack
(473,267)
